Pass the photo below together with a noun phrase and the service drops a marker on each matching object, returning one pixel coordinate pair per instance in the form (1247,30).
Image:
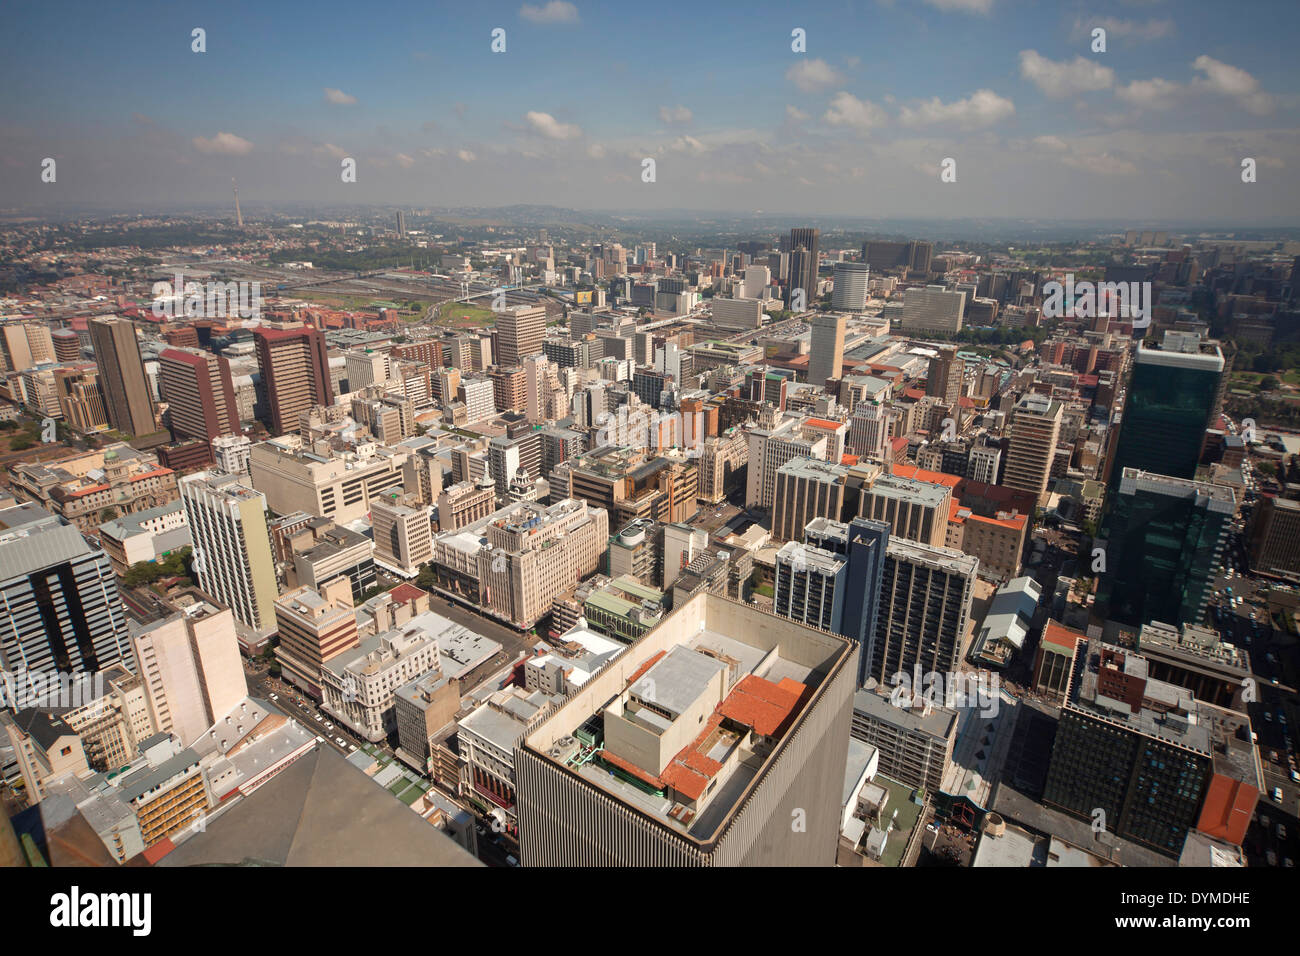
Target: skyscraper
(803,268)
(1165,539)
(62,611)
(232,545)
(826,349)
(1034,432)
(520,331)
(401,224)
(849,286)
(1170,400)
(199,393)
(924,609)
(295,372)
(697,746)
(122,377)
(932,309)
(944,380)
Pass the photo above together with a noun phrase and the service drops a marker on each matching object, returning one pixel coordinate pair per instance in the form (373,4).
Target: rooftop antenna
(239,216)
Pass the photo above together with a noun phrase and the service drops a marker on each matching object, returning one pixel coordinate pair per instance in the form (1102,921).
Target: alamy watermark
(978,690)
(212,300)
(1086,300)
(23,688)
(653,429)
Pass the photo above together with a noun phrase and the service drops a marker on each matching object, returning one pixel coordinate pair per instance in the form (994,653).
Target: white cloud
(1050,142)
(847,110)
(687,144)
(981,108)
(1064,78)
(406,162)
(795,114)
(962,6)
(548,126)
(223,144)
(1155,93)
(1232,81)
(813,75)
(556,11)
(1117,29)
(329,149)
(1102,163)
(465,156)
(596,151)
(671,115)
(338,97)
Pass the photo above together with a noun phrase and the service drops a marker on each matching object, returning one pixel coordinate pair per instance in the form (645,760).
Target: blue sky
(1039,125)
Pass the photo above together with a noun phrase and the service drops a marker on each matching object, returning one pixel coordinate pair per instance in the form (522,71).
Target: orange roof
(758,703)
(847,459)
(823,423)
(405,593)
(158,850)
(1227,810)
(1061,636)
(920,474)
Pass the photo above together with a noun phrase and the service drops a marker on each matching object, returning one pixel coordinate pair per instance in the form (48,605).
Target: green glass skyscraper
(1171,397)
(1166,536)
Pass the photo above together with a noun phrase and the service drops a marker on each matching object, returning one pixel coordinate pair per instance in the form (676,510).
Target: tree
(1268,383)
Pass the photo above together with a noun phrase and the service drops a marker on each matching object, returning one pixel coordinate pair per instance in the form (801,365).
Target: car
(1277,794)
(511,861)
(1281,832)
(329,726)
(341,741)
(352,746)
(275,697)
(1295,777)
(318,717)
(1268,715)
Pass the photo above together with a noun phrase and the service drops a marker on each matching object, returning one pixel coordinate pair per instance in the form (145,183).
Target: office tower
(757,280)
(190,668)
(686,751)
(23,346)
(826,349)
(401,224)
(867,547)
(316,625)
(803,268)
(232,546)
(520,331)
(464,503)
(944,379)
(736,314)
(932,309)
(403,533)
(1165,540)
(1275,538)
(503,462)
(1148,754)
(476,394)
(810,586)
(806,488)
(538,373)
(1034,431)
(849,286)
(509,388)
(67,345)
(369,367)
(199,393)
(62,609)
(1171,399)
(295,373)
(769,449)
(924,611)
(869,430)
(983,464)
(121,376)
(884,256)
(230,453)
(913,509)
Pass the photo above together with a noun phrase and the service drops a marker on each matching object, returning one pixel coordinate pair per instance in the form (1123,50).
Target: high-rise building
(806,488)
(924,611)
(697,746)
(24,345)
(401,224)
(62,608)
(1154,760)
(1171,398)
(826,349)
(944,379)
(199,393)
(1274,536)
(190,668)
(914,510)
(885,256)
(932,309)
(803,268)
(849,286)
(1164,543)
(121,375)
(232,547)
(1034,431)
(295,373)
(520,330)
(403,533)
(810,586)
(316,625)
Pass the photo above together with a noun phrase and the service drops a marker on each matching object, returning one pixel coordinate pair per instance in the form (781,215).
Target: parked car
(1277,794)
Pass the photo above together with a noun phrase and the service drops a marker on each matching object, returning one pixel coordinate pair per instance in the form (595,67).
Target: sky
(1153,130)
